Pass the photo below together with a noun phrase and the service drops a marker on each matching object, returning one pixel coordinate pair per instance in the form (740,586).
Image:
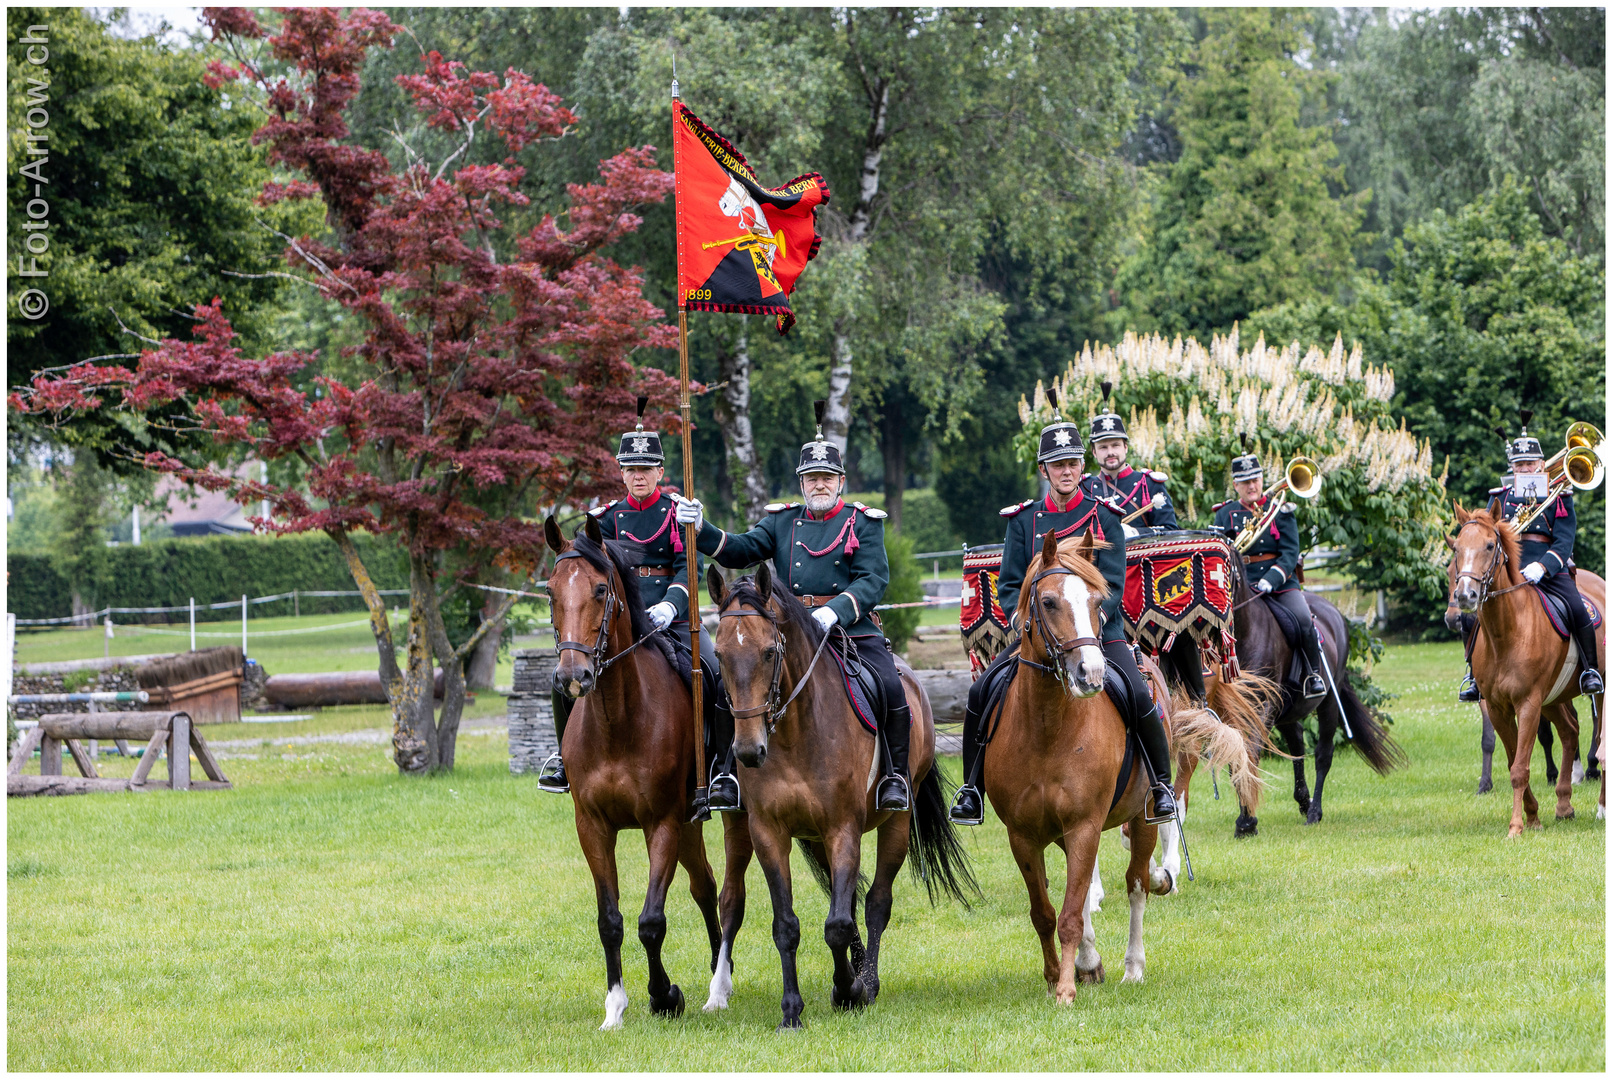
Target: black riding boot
(1189,666)
(895,790)
(723,791)
(1590,680)
(1469,691)
(552,777)
(969,805)
(1149,726)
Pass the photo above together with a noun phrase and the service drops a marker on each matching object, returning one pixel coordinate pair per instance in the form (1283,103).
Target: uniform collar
(1125,471)
(840,504)
(655,497)
(1054,508)
(1264,499)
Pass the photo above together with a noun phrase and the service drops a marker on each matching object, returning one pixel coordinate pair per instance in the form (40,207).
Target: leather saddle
(863,691)
(1557,612)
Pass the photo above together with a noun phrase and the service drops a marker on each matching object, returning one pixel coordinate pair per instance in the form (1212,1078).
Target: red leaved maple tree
(490,384)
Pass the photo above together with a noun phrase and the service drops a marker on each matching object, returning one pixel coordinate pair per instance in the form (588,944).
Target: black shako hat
(1525,447)
(820,455)
(1107,424)
(1246,466)
(640,447)
(1061,440)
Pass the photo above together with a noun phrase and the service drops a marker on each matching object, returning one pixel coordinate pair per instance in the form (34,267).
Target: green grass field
(327,914)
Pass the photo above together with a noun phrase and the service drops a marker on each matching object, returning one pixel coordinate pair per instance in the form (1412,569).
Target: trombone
(1303,479)
(1577,465)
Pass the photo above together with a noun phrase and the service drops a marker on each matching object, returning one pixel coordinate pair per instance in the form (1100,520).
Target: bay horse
(1055,759)
(810,770)
(1522,667)
(1263,651)
(629,750)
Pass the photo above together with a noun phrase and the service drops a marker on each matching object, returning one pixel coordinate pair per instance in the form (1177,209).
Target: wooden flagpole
(689,549)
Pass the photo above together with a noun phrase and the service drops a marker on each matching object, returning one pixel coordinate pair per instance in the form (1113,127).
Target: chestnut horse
(810,770)
(1522,667)
(629,750)
(1053,763)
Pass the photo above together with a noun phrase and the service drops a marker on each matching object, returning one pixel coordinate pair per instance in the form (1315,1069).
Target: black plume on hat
(1243,440)
(1053,402)
(1501,431)
(1106,386)
(1524,416)
(642,402)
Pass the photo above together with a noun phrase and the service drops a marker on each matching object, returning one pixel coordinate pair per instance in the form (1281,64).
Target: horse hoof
(1601,812)
(790,1024)
(670,1006)
(1065,997)
(1245,829)
(1566,817)
(1093,976)
(1163,883)
(1485,787)
(1313,815)
(854,998)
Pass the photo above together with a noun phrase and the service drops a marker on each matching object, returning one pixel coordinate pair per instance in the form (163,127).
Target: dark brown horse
(1263,650)
(1053,765)
(810,769)
(1522,667)
(629,750)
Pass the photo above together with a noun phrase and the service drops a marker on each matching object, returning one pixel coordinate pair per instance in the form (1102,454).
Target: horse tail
(1370,740)
(934,853)
(1232,738)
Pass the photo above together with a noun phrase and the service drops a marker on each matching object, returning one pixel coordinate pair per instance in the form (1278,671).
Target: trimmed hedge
(213,569)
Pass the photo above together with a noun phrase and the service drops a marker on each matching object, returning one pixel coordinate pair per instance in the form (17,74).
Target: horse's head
(1062,614)
(1482,547)
(751,651)
(584,594)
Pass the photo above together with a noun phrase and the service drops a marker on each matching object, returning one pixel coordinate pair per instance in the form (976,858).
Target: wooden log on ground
(948,692)
(24,784)
(106,725)
(330,688)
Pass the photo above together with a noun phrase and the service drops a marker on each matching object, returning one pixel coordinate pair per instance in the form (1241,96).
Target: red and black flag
(740,246)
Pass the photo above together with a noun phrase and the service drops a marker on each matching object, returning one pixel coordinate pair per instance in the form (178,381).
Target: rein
(612,603)
(771,706)
(1058,651)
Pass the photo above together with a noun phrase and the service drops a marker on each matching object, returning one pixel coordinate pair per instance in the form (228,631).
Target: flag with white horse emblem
(740,246)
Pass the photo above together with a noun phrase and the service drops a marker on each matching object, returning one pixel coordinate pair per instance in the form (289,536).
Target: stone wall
(530,710)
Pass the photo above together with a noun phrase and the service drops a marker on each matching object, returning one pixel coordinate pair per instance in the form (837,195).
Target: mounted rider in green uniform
(1547,547)
(1069,511)
(1140,492)
(831,555)
(647,516)
(1271,561)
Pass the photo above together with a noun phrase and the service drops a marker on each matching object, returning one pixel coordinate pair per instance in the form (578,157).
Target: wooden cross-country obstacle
(170,732)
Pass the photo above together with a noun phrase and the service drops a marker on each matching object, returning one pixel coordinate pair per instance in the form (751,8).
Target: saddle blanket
(1181,582)
(981,619)
(862,689)
(1558,617)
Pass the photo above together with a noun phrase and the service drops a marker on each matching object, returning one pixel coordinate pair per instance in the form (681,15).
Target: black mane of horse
(797,616)
(625,556)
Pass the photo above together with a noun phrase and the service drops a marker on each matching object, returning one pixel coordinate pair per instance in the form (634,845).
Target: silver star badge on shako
(641,446)
(1061,437)
(1108,423)
(820,451)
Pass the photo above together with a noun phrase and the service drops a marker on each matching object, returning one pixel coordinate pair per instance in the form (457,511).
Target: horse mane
(1084,568)
(623,556)
(1511,548)
(797,616)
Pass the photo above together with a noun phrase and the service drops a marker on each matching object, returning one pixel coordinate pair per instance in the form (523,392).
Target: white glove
(1130,530)
(1262,586)
(689,512)
(1158,500)
(826,618)
(661,614)
(1534,572)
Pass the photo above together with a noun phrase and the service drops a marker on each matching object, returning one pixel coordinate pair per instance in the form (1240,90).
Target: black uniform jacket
(1027,526)
(655,525)
(1131,490)
(842,555)
(1550,539)
(1281,540)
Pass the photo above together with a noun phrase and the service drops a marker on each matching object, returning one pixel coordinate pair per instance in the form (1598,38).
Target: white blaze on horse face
(722,982)
(615,1006)
(1468,573)
(1079,596)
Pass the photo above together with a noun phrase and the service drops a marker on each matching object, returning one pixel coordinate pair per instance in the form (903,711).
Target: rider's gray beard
(818,504)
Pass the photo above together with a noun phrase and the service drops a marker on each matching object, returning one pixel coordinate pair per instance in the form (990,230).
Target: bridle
(1497,560)
(613,602)
(1058,651)
(771,707)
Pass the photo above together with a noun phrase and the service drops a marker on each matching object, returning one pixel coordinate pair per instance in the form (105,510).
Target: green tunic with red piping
(1026,527)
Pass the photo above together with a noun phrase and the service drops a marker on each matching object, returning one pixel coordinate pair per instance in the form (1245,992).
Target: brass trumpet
(1302,478)
(1577,465)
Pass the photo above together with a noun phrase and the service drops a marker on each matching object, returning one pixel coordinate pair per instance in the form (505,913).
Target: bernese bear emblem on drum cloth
(1181,582)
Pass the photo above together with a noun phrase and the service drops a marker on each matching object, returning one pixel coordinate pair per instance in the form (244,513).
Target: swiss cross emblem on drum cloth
(641,446)
(1061,437)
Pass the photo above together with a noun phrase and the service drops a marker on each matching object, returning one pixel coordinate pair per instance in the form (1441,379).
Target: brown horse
(1522,667)
(810,769)
(1053,765)
(629,750)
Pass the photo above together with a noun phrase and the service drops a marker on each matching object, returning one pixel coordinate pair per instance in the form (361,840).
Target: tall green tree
(151,181)
(1247,216)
